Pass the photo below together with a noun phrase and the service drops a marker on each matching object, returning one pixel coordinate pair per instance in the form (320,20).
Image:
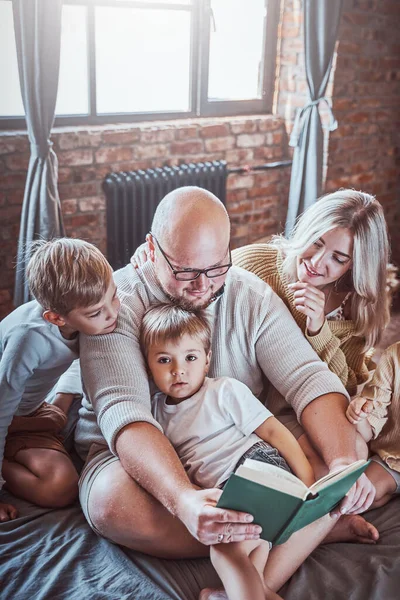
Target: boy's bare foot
(213,594)
(353,528)
(7,512)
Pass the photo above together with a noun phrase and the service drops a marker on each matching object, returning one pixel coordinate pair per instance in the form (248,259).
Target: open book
(280,502)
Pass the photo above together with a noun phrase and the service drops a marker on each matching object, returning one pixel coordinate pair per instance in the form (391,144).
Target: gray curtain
(321,24)
(37,26)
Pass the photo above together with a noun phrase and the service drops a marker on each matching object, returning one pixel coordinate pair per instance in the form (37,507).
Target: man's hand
(211,525)
(358,409)
(359,498)
(7,512)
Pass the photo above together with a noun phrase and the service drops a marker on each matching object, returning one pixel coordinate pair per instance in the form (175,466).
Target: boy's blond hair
(169,322)
(64,274)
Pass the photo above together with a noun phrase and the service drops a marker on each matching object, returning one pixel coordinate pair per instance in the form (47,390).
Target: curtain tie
(300,115)
(41,150)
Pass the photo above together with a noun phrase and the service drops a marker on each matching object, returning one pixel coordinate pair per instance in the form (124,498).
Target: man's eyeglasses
(191,274)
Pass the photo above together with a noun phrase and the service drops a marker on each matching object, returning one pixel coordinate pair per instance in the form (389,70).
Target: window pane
(236,50)
(10,95)
(186,2)
(73,90)
(142,60)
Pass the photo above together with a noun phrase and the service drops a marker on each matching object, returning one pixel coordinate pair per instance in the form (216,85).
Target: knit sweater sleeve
(21,356)
(114,374)
(380,391)
(299,376)
(348,360)
(260,259)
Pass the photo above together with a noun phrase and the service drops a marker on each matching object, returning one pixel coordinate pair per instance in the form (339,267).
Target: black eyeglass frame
(197,271)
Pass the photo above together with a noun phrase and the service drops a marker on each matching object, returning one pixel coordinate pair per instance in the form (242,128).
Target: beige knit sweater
(384,390)
(336,343)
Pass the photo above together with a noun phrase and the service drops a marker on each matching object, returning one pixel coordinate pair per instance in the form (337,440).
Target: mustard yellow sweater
(384,390)
(336,343)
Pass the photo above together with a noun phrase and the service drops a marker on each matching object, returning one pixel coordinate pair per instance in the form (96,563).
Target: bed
(54,555)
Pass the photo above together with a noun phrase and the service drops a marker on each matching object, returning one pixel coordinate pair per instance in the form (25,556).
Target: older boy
(75,292)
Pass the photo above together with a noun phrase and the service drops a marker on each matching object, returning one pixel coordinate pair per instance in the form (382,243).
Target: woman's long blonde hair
(363,215)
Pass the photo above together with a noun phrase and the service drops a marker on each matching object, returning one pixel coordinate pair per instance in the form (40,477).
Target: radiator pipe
(264,167)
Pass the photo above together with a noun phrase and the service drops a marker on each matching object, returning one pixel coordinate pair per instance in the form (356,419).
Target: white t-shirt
(211,430)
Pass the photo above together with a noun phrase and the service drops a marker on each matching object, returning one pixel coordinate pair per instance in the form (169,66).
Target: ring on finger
(228,532)
(220,538)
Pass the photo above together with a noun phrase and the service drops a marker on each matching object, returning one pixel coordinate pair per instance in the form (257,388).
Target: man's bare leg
(349,528)
(126,514)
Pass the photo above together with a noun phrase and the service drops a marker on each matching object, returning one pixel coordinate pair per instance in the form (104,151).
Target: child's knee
(59,492)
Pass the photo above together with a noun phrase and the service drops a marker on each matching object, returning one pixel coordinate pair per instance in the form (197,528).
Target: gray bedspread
(54,555)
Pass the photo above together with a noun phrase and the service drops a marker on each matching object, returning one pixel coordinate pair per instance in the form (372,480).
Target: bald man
(133,486)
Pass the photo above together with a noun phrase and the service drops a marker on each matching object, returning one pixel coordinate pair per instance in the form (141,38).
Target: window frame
(200,105)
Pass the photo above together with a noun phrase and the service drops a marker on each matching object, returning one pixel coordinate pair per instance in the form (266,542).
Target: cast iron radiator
(132,198)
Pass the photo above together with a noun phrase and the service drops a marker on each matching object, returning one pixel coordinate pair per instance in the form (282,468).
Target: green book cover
(281,513)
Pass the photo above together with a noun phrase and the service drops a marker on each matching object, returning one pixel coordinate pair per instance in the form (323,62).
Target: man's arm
(316,394)
(157,468)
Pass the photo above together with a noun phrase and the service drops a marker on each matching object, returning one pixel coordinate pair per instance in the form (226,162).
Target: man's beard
(187,304)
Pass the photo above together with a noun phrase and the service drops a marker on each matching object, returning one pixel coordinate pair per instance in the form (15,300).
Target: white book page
(334,476)
(272,477)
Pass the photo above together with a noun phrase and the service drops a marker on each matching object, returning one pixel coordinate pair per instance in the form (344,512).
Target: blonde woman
(331,273)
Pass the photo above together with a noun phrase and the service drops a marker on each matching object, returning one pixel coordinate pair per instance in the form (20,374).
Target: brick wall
(255,201)
(363,152)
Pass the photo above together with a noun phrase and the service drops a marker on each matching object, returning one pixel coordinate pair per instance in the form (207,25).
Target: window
(152,59)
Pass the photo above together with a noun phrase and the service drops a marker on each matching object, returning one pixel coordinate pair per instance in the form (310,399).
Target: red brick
(156,136)
(69,207)
(250,140)
(184,148)
(220,144)
(236,182)
(240,157)
(187,133)
(71,158)
(65,175)
(10,144)
(13,180)
(213,131)
(271,124)
(92,204)
(78,190)
(82,220)
(269,153)
(152,151)
(121,137)
(79,139)
(114,154)
(249,126)
(15,197)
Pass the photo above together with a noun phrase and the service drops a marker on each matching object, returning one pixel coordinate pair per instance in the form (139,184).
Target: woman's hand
(310,301)
(140,257)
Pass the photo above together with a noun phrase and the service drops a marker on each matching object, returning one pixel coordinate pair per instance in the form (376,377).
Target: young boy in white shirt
(214,425)
(74,292)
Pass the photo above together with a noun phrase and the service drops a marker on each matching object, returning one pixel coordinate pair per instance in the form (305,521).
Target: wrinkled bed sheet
(54,555)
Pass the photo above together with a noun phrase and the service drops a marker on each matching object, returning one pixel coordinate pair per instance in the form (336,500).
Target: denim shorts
(262,452)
